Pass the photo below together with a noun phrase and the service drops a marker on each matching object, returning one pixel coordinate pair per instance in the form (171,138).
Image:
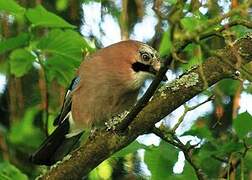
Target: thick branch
(167,98)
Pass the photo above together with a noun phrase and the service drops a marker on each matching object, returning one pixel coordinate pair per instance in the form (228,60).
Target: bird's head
(146,61)
(131,62)
(145,64)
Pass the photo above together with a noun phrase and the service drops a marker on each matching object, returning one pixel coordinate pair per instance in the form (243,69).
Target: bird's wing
(66,108)
(58,144)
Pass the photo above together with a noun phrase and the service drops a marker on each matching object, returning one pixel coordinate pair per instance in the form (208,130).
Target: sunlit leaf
(62,5)
(193,22)
(64,52)
(39,16)
(14,42)
(103,171)
(24,134)
(165,45)
(10,172)
(190,23)
(171,1)
(243,124)
(21,62)
(11,6)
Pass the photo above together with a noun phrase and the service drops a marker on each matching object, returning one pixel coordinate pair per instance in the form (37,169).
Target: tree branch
(186,150)
(166,99)
(178,47)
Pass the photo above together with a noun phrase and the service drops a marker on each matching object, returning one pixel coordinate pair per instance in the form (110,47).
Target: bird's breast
(94,106)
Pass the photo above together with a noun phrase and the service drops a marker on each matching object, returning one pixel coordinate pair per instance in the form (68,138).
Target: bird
(107,83)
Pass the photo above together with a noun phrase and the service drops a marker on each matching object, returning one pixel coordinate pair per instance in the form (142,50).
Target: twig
(241,69)
(146,97)
(219,159)
(156,9)
(45,95)
(177,58)
(216,32)
(232,23)
(234,165)
(187,109)
(186,150)
(155,83)
(105,143)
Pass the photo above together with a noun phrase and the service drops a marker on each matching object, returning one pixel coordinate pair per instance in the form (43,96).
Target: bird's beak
(154,70)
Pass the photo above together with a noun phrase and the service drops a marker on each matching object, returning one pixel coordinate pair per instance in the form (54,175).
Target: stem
(187,151)
(177,48)
(187,109)
(44,94)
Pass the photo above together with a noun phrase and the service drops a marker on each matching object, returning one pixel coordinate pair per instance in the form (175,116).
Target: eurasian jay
(107,83)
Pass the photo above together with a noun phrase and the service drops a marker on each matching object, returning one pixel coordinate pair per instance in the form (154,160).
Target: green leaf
(103,171)
(227,148)
(192,23)
(21,62)
(165,45)
(160,160)
(61,5)
(201,132)
(171,1)
(39,16)
(248,141)
(14,42)
(243,124)
(194,54)
(229,86)
(24,134)
(240,31)
(9,172)
(11,6)
(203,155)
(133,147)
(63,51)
(248,160)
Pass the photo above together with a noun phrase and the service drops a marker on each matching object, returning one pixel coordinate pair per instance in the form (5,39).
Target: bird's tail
(56,146)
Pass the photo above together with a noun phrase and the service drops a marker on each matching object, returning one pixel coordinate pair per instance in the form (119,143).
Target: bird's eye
(145,57)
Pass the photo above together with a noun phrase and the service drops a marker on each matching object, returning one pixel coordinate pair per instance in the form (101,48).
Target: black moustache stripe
(141,67)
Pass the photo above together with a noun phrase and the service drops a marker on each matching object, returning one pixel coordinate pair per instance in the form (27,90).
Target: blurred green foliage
(243,124)
(9,172)
(160,160)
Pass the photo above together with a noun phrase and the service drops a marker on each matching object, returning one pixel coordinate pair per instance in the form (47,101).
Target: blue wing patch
(74,83)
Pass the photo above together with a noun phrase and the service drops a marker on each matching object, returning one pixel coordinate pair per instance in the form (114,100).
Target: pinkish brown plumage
(107,84)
